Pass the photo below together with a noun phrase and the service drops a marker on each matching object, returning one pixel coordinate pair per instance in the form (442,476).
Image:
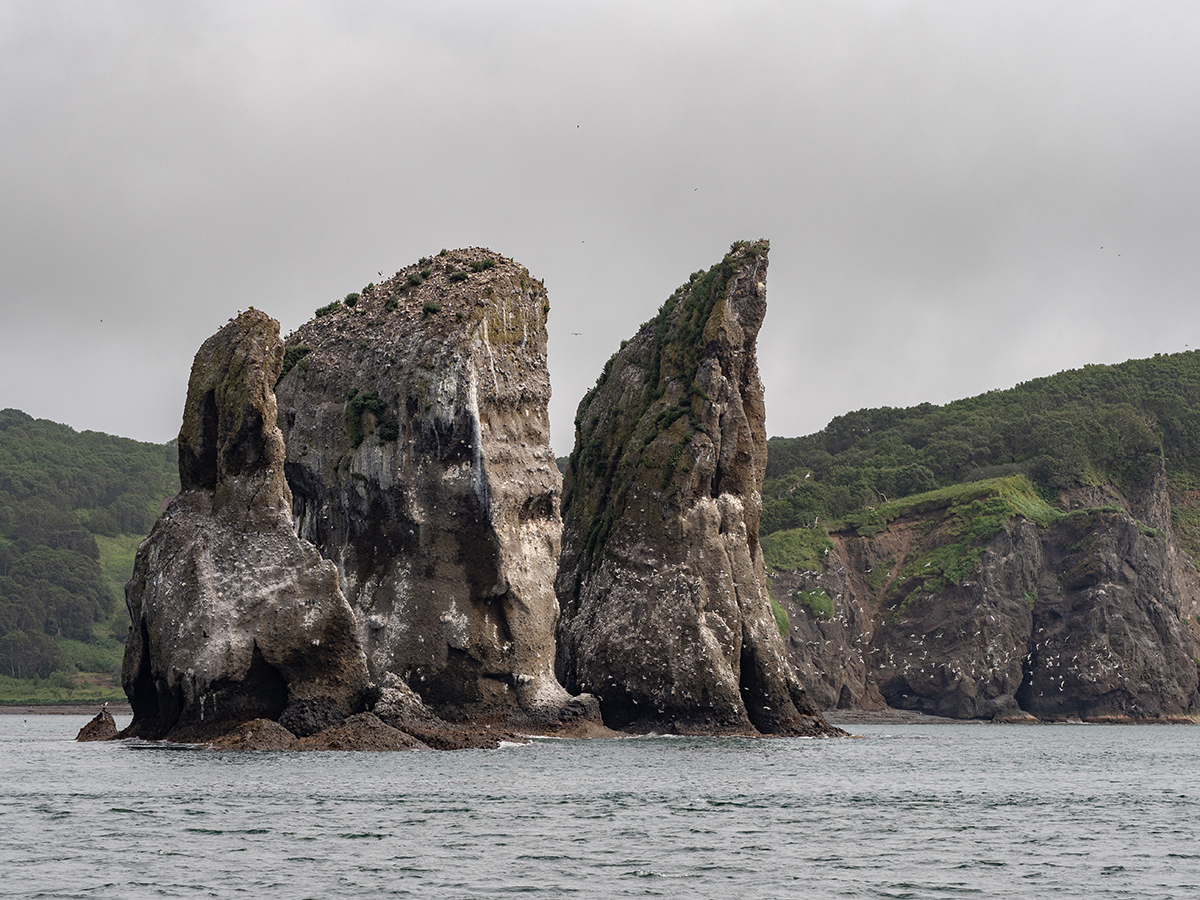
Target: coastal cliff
(986,602)
(665,614)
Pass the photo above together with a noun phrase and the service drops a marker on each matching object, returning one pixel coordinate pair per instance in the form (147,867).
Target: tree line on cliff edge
(1099,425)
(72,504)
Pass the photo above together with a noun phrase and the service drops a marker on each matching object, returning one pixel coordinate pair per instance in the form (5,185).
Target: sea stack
(665,611)
(233,616)
(418,456)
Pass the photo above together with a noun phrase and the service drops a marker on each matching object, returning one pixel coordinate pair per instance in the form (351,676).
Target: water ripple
(911,811)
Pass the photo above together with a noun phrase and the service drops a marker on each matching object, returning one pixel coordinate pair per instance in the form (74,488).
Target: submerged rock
(400,707)
(418,456)
(363,731)
(234,617)
(257,734)
(665,613)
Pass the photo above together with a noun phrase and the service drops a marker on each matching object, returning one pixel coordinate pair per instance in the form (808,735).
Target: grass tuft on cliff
(989,504)
(796,550)
(959,520)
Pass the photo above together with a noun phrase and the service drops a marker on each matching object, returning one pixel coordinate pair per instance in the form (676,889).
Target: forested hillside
(73,506)
(1102,424)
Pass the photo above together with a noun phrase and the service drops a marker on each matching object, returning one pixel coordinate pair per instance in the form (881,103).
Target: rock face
(1092,616)
(234,617)
(363,731)
(418,457)
(665,614)
(101,728)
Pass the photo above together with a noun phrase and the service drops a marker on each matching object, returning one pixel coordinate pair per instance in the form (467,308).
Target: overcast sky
(959,195)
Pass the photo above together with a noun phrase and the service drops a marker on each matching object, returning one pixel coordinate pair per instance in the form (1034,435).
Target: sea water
(904,811)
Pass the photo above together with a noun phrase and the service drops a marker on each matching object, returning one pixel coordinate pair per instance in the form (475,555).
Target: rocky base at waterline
(399,721)
(362,731)
(393,728)
(891,716)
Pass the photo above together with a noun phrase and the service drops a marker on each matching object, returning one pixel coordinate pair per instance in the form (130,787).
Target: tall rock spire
(665,610)
(235,617)
(418,454)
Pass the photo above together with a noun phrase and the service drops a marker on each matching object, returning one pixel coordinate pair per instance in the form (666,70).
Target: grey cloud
(937,180)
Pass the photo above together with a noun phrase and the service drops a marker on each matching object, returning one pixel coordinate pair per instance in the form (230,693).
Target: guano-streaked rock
(417,433)
(234,617)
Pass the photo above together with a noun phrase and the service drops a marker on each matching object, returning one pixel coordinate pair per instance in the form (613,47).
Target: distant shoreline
(887,717)
(834,717)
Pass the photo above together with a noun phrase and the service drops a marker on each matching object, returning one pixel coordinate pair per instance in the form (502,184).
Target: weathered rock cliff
(417,434)
(234,617)
(1090,615)
(665,611)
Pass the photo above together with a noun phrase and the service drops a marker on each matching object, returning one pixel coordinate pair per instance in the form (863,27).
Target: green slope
(73,507)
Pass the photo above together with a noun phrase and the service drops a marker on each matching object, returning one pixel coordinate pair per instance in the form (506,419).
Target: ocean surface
(906,811)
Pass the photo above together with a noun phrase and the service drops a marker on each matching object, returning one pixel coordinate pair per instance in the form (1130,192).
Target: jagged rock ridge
(665,615)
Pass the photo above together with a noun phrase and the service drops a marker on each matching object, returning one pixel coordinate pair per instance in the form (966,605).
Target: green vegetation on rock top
(965,518)
(1003,498)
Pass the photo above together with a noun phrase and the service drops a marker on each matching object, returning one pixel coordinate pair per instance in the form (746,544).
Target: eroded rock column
(233,616)
(666,616)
